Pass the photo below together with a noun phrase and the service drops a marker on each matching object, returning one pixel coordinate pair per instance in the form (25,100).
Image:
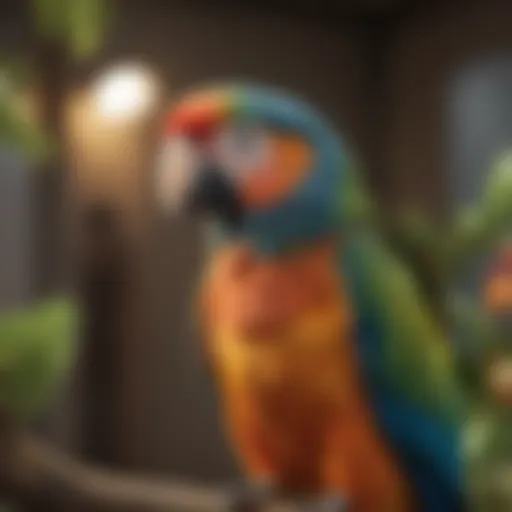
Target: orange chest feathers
(279,337)
(279,327)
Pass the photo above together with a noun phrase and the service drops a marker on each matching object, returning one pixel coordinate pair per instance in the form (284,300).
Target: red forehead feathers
(195,117)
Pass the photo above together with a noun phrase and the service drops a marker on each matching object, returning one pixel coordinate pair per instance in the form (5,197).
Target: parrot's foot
(251,497)
(329,504)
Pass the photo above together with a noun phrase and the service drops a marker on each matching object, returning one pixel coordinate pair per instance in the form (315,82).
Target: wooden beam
(33,469)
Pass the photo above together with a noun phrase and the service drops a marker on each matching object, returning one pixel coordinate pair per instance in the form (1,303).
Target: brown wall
(430,48)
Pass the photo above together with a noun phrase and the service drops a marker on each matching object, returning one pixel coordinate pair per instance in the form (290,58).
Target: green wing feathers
(416,358)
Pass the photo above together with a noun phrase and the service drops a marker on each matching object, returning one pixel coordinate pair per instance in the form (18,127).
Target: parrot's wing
(36,350)
(357,204)
(408,368)
(413,354)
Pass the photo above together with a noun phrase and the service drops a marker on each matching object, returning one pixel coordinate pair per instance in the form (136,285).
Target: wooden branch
(31,466)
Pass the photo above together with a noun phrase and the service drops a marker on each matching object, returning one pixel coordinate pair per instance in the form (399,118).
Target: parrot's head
(267,166)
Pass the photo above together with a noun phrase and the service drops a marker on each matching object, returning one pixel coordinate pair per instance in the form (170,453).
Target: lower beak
(214,193)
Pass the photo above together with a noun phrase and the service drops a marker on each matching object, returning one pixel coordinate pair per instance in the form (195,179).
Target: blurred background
(421,90)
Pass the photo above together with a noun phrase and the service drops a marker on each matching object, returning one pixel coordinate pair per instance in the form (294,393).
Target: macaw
(335,378)
(37,348)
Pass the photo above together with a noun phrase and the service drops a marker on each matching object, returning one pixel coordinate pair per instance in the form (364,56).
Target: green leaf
(482,226)
(479,337)
(21,134)
(49,17)
(80,24)
(37,347)
(19,130)
(87,22)
(16,73)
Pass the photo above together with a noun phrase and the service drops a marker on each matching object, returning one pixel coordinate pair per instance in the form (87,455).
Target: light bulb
(125,92)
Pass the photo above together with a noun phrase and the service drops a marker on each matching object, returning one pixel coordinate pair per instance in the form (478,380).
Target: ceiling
(328,10)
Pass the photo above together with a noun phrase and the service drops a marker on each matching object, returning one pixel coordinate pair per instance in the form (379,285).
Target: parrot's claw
(250,497)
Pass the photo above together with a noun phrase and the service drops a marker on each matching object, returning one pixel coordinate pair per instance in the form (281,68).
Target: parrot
(336,382)
(37,350)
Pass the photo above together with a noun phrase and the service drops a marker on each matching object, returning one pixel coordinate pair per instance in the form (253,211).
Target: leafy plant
(80,24)
(77,25)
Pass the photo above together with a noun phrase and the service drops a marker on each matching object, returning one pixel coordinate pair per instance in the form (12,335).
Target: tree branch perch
(31,466)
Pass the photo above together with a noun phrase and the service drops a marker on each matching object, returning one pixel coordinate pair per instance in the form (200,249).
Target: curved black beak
(214,193)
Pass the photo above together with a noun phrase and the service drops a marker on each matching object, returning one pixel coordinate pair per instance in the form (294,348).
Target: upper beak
(213,192)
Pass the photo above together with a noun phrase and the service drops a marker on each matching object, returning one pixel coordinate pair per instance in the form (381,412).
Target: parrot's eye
(177,165)
(241,149)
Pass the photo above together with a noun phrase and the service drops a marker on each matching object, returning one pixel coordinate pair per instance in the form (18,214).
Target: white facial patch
(240,149)
(176,169)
